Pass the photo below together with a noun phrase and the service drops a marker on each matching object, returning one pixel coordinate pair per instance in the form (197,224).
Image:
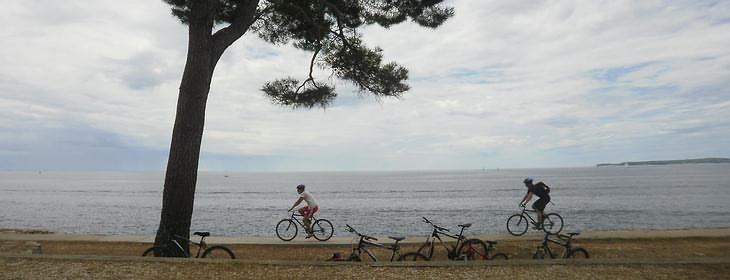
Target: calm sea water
(637,197)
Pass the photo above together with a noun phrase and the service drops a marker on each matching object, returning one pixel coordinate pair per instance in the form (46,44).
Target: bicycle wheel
(413,257)
(499,256)
(473,249)
(218,252)
(517,225)
(426,249)
(553,223)
(155,251)
(322,230)
(286,230)
(578,253)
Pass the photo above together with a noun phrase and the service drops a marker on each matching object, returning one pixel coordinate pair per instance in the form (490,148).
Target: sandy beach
(640,254)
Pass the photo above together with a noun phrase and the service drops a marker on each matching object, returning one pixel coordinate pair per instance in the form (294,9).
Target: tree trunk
(182,165)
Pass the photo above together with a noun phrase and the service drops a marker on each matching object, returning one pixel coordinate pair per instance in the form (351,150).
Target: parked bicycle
(366,241)
(464,249)
(174,248)
(564,241)
(517,224)
(287,229)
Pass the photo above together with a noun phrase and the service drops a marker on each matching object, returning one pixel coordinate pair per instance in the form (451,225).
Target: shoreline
(46,235)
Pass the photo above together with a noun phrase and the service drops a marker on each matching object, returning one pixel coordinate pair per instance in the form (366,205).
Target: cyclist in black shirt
(542,191)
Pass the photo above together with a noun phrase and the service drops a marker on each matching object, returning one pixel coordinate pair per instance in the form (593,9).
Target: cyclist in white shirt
(306,211)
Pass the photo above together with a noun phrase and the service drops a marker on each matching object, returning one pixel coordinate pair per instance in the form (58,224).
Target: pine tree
(327,28)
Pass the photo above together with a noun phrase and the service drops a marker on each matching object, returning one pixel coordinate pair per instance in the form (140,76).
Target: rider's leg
(306,214)
(539,216)
(539,207)
(307,223)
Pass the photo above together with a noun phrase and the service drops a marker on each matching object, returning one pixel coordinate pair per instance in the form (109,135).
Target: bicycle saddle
(573,233)
(397,238)
(465,225)
(490,242)
(202,233)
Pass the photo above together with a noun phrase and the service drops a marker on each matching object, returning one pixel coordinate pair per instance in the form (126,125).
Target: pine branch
(245,16)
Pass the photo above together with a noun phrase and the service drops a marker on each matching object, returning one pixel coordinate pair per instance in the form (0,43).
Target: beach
(638,254)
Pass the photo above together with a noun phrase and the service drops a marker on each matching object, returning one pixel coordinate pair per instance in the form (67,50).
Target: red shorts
(305,210)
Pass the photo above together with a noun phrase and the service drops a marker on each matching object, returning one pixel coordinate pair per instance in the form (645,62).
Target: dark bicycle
(287,229)
(174,248)
(517,224)
(366,241)
(464,249)
(564,241)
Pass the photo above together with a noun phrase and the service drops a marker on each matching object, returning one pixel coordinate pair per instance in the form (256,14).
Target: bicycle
(287,229)
(217,251)
(464,249)
(564,241)
(517,224)
(366,241)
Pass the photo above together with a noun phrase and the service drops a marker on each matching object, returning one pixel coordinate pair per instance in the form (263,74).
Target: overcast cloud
(93,85)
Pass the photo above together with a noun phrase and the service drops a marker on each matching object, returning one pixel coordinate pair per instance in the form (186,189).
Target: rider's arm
(527,198)
(296,203)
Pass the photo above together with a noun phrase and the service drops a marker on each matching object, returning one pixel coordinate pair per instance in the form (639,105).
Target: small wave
(400,191)
(237,192)
(80,191)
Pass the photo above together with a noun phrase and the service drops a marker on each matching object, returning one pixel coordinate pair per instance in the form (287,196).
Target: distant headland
(666,162)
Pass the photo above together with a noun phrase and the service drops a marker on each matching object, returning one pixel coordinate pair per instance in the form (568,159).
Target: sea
(388,202)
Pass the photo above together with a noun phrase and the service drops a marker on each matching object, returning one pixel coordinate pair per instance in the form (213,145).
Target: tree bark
(182,164)
(204,51)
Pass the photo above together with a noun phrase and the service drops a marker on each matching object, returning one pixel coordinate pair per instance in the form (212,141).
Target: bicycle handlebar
(366,237)
(433,225)
(349,228)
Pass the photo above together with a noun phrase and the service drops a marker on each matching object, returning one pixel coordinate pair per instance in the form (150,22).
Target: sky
(92,85)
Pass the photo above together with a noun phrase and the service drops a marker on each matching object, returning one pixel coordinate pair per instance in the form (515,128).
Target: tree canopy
(328,29)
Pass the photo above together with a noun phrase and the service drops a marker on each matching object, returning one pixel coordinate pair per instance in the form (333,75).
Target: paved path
(346,240)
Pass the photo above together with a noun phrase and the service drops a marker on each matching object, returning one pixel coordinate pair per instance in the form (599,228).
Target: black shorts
(541,203)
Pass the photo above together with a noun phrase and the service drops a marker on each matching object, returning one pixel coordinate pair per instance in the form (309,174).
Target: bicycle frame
(436,235)
(174,240)
(566,246)
(363,244)
(526,213)
(294,216)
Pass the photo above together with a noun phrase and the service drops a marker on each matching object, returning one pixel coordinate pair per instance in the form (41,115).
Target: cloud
(74,147)
(144,70)
(502,84)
